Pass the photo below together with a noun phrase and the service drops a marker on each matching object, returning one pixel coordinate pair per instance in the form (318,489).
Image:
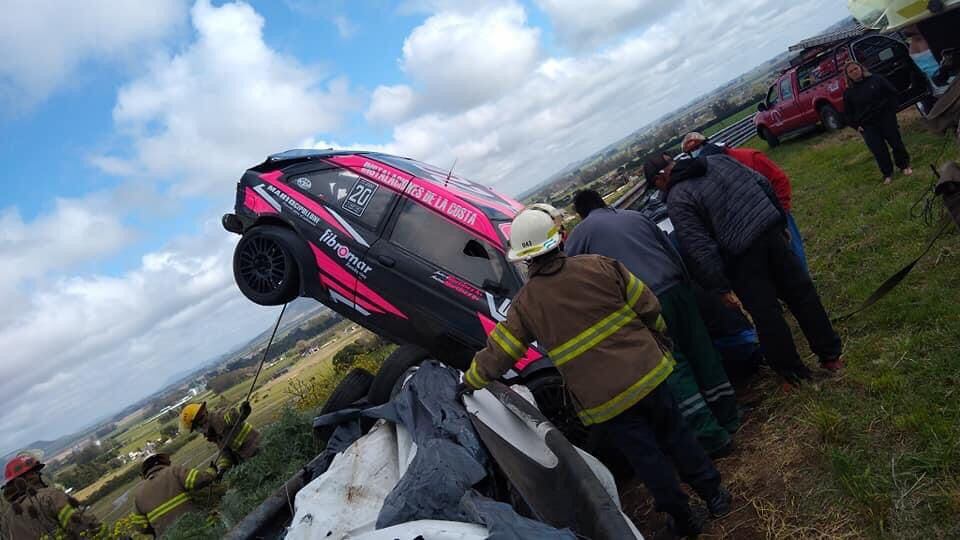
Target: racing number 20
(361,195)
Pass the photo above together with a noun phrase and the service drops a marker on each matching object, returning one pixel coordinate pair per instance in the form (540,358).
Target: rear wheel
(264,266)
(829,117)
(399,361)
(772,140)
(354,386)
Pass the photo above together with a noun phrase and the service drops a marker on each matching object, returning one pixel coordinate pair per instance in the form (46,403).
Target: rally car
(407,250)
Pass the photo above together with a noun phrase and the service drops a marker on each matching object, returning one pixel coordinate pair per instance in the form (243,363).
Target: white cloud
(88,344)
(580,25)
(569,107)
(44,41)
(345,28)
(390,104)
(201,117)
(461,59)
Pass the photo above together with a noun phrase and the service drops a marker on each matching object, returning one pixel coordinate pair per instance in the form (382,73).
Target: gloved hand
(463,389)
(245,409)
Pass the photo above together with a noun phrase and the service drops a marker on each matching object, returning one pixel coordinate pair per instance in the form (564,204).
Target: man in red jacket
(696,144)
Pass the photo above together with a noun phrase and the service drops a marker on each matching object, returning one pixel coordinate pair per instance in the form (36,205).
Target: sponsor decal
(300,209)
(457,285)
(385,176)
(442,204)
(354,263)
(339,298)
(304,182)
(360,195)
(266,196)
(499,313)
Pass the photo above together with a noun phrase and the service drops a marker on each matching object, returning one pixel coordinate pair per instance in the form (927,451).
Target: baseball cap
(653,166)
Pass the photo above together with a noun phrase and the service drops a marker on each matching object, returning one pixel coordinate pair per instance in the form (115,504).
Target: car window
(786,89)
(352,196)
(772,96)
(429,236)
(874,50)
(814,73)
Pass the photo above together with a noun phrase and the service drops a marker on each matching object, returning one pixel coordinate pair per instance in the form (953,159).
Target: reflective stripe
(687,412)
(689,401)
(65,514)
(661,325)
(474,378)
(191,480)
(507,341)
(138,519)
(718,388)
(719,395)
(591,336)
(224,463)
(166,507)
(629,397)
(242,436)
(634,290)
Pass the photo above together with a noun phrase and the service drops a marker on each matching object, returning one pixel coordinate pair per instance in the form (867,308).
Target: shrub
(194,526)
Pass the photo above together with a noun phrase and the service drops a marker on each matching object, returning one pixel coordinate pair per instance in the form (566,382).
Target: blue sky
(124,126)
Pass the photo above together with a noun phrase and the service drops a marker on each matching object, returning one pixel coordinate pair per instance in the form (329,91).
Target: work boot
(688,524)
(833,364)
(795,377)
(719,504)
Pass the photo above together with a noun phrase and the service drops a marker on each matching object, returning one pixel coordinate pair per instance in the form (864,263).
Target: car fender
(302,254)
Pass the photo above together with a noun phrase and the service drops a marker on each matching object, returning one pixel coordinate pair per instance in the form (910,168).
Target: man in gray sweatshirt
(699,383)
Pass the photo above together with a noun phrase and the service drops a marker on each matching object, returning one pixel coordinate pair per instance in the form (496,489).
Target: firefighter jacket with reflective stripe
(164,496)
(600,325)
(50,514)
(244,440)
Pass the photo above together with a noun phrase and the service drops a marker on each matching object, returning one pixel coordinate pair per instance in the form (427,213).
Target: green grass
(750,110)
(881,443)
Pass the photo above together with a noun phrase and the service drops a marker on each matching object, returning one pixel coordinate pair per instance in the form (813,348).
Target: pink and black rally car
(407,250)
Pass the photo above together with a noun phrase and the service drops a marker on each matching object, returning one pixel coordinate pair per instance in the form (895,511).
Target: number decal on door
(360,195)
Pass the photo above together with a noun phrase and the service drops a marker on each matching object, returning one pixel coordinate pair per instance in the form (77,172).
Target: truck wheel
(772,140)
(829,117)
(557,405)
(399,361)
(352,388)
(264,266)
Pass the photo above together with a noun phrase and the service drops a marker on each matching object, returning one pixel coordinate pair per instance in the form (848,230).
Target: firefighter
(602,328)
(164,494)
(217,426)
(37,511)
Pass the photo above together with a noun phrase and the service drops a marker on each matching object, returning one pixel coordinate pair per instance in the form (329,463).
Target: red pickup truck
(812,92)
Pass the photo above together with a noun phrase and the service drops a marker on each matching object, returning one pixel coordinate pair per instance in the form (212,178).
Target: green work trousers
(698,382)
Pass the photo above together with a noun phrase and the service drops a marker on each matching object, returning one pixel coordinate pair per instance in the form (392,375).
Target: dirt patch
(768,475)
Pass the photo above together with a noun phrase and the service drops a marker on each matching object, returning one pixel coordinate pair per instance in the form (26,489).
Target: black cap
(653,166)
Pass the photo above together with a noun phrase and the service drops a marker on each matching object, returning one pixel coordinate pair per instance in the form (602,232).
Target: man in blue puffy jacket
(731,228)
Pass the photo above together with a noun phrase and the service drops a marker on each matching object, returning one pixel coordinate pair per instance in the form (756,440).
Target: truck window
(427,235)
(786,89)
(772,96)
(813,73)
(873,50)
(358,199)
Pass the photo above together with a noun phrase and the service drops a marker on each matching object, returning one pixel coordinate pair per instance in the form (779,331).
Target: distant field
(731,120)
(268,400)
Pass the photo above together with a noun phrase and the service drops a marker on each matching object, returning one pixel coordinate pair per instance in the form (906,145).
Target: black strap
(895,279)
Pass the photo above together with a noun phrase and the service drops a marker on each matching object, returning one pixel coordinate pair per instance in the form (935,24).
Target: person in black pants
(870,103)
(731,231)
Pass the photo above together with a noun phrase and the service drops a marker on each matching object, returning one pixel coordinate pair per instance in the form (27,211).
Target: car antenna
(449,174)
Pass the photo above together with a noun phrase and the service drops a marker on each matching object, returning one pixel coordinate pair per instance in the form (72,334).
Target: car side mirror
(493,287)
(762,107)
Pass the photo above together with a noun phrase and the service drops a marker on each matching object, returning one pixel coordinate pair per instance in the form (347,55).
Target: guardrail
(733,136)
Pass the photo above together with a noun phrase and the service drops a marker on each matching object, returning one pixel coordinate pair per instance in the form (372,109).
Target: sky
(124,126)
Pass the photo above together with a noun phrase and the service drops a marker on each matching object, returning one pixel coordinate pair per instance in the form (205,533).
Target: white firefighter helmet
(534,231)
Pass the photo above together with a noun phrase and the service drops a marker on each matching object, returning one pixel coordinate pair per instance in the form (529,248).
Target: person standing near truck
(870,103)
(603,330)
(698,382)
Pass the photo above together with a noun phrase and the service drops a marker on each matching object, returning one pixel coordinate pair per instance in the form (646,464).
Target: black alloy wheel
(264,267)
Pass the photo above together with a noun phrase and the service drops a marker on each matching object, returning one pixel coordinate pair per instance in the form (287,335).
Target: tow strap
(896,278)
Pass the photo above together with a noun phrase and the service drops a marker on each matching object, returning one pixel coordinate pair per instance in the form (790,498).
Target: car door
(788,104)
(891,58)
(352,211)
(445,280)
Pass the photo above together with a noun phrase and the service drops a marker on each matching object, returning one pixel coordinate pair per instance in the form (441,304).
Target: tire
(399,361)
(829,117)
(352,388)
(772,140)
(264,266)
(557,405)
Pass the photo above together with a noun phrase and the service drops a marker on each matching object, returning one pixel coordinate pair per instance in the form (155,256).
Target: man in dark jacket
(731,228)
(870,104)
(698,382)
(604,332)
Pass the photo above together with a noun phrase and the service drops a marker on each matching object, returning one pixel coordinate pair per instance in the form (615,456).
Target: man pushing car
(603,330)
